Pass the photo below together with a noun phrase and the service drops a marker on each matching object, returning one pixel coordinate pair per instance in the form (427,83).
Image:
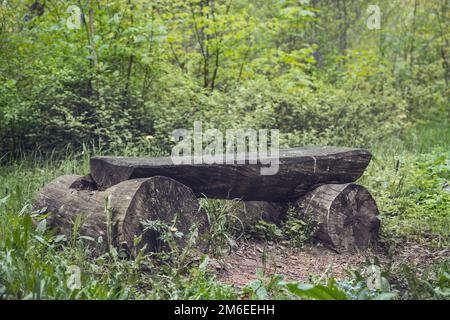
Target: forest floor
(240,267)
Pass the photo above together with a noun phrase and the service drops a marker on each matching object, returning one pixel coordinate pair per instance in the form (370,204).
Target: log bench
(319,181)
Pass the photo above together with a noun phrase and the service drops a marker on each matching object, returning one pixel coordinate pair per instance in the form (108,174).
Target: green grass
(406,178)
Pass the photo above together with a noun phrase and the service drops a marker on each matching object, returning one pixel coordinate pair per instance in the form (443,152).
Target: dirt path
(299,264)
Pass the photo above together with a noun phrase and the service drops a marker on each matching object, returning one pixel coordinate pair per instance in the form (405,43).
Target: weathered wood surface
(251,212)
(346,215)
(300,170)
(132,201)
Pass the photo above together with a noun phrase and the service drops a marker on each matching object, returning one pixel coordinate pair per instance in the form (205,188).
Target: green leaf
(3,200)
(261,293)
(317,292)
(60,238)
(41,227)
(385,296)
(87,238)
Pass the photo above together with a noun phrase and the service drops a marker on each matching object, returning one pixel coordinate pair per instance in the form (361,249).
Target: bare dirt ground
(239,268)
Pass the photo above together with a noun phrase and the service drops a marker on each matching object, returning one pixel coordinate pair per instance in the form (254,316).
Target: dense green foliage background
(135,70)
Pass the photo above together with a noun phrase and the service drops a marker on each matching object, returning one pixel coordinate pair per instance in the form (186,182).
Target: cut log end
(346,215)
(165,200)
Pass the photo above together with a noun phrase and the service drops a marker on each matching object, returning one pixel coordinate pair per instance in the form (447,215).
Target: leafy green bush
(299,227)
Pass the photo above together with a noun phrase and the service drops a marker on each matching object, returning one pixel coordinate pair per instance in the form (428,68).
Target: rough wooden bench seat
(300,170)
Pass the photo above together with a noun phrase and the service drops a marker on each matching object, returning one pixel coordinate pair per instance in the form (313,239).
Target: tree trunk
(346,215)
(131,202)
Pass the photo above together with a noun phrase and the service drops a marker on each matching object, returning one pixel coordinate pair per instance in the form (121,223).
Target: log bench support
(346,215)
(131,202)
